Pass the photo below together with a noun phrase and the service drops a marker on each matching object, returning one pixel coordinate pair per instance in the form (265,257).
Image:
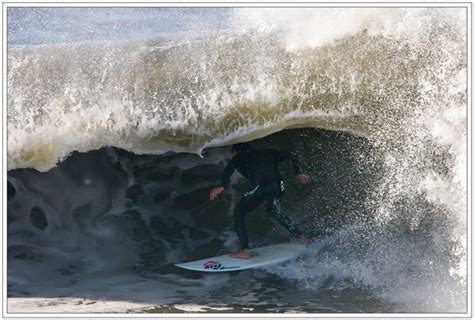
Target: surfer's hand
(216,192)
(302,178)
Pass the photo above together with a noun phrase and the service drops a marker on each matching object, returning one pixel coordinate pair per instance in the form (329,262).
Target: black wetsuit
(261,167)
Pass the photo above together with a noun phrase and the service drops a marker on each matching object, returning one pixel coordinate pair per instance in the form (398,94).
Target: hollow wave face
(395,78)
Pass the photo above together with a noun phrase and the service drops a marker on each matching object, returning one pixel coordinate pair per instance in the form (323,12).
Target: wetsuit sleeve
(228,171)
(281,156)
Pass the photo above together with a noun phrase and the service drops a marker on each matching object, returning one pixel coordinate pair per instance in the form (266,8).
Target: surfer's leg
(248,203)
(272,194)
(273,208)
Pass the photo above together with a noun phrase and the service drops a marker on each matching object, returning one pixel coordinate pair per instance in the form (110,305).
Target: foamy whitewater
(119,122)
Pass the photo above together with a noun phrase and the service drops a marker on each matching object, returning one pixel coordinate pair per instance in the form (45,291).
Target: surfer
(261,167)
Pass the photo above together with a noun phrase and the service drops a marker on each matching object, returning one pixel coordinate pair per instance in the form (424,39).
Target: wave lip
(148,97)
(183,94)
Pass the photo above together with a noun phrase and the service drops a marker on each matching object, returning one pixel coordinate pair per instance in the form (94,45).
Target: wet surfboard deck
(262,256)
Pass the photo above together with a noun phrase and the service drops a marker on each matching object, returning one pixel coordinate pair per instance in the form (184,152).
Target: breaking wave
(389,84)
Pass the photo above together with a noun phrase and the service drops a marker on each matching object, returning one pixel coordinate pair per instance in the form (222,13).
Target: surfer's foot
(303,240)
(242,254)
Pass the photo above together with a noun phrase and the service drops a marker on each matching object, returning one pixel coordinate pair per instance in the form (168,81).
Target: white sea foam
(396,76)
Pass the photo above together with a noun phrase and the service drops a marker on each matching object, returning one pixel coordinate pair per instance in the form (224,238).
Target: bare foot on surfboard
(242,254)
(303,240)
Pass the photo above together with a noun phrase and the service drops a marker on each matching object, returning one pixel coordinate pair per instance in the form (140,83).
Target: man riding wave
(261,167)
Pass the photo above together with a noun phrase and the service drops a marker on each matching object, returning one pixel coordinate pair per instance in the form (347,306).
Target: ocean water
(119,122)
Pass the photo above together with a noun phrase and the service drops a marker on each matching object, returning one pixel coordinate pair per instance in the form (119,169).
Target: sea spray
(389,212)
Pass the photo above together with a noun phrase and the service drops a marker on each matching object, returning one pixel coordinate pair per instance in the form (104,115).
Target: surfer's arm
(281,156)
(228,171)
(288,156)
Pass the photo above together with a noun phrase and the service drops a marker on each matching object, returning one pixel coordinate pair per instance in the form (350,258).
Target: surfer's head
(239,147)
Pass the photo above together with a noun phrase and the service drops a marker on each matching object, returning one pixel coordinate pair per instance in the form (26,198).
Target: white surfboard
(262,256)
